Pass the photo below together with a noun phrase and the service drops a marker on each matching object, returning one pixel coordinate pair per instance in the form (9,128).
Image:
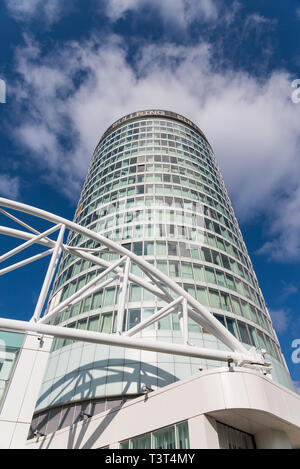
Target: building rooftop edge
(152,113)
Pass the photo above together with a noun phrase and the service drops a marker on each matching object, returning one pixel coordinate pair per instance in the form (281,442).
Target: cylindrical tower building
(153,186)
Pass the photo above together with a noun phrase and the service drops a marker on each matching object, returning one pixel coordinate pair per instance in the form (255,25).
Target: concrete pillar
(203,433)
(20,400)
(272,439)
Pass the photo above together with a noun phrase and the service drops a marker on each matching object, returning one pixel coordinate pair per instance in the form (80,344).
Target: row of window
(160,155)
(167,190)
(173,437)
(212,297)
(167,127)
(136,164)
(148,122)
(104,152)
(153,173)
(133,149)
(142,202)
(140,159)
(161,129)
(107,323)
(173,268)
(161,215)
(177,269)
(185,211)
(155,178)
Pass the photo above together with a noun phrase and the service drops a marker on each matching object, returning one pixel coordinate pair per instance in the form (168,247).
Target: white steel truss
(176,298)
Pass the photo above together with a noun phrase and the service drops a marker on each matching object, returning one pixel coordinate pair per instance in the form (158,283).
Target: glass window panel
(190,289)
(148,296)
(236,305)
(134,317)
(164,439)
(225,301)
(82,324)
(147,313)
(124,444)
(65,293)
(206,254)
(172,248)
(211,240)
(165,323)
(141,442)
(221,319)
(193,326)
(135,293)
(230,282)
(202,295)
(246,309)
(220,278)
(175,322)
(182,432)
(214,299)
(198,272)
(261,339)
(186,270)
(97,299)
(253,336)
(225,261)
(138,248)
(149,248)
(75,310)
(93,323)
(109,297)
(244,333)
(162,266)
(239,286)
(86,304)
(195,252)
(210,275)
(105,323)
(174,268)
(232,327)
(253,314)
(72,288)
(216,257)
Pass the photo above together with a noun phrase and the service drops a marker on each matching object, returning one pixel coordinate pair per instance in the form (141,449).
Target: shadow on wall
(88,382)
(87,386)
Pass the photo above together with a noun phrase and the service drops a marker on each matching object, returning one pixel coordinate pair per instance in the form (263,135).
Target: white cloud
(288,290)
(280,319)
(47,10)
(182,12)
(285,228)
(79,90)
(9,186)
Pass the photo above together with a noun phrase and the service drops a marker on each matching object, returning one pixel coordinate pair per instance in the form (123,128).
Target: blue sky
(73,67)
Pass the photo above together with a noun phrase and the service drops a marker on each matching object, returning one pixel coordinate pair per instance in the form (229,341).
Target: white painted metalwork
(155,281)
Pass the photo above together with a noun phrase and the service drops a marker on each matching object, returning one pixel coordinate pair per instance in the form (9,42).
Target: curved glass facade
(154,186)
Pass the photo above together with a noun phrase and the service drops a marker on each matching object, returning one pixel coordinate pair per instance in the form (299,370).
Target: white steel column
(122,296)
(184,321)
(49,275)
